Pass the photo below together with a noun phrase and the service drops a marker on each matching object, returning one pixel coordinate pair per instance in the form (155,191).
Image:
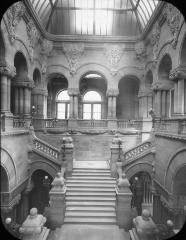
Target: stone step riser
(91,178)
(90,204)
(90,214)
(90,220)
(82,189)
(85,194)
(90,182)
(91,174)
(91,185)
(88,170)
(90,209)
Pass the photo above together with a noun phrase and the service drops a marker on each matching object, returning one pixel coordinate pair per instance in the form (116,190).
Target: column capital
(8,70)
(178,73)
(20,81)
(145,93)
(112,92)
(40,91)
(73,91)
(162,85)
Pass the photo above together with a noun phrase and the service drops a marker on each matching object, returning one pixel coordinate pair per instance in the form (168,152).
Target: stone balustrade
(92,123)
(10,122)
(56,123)
(46,148)
(137,151)
(19,123)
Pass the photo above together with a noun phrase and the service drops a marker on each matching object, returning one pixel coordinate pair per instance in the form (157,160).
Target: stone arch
(36,77)
(52,70)
(129,71)
(138,167)
(46,166)
(164,67)
(175,162)
(2,48)
(93,68)
(148,79)
(8,164)
(179,46)
(4,180)
(182,53)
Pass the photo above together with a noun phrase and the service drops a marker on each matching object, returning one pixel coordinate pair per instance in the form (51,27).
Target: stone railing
(137,151)
(11,122)
(171,126)
(19,123)
(46,148)
(136,124)
(56,123)
(92,123)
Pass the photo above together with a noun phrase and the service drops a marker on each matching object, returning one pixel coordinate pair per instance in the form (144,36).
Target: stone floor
(88,232)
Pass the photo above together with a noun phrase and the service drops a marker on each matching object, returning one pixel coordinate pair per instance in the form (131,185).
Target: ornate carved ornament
(33,37)
(113,54)
(145,93)
(23,82)
(14,201)
(173,18)
(164,85)
(177,73)
(154,38)
(73,91)
(7,70)
(112,92)
(14,15)
(140,50)
(46,48)
(73,52)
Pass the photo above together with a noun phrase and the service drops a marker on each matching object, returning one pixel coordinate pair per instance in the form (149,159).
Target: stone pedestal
(123,203)
(66,155)
(148,206)
(32,228)
(56,212)
(116,151)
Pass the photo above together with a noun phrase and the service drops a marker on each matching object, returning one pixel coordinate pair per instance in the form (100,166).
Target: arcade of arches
(93,88)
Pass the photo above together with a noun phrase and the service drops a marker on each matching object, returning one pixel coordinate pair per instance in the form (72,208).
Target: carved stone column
(112,97)
(39,100)
(7,72)
(178,75)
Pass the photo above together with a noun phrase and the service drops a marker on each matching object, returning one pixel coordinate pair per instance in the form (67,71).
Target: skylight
(94,17)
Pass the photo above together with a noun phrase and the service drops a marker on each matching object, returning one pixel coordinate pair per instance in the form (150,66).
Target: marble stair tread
(90,189)
(89,214)
(88,170)
(89,185)
(90,181)
(90,178)
(84,208)
(82,198)
(90,220)
(90,203)
(93,193)
(97,174)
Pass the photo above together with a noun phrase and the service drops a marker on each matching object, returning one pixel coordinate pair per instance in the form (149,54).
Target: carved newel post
(56,212)
(144,227)
(66,155)
(33,227)
(116,150)
(123,200)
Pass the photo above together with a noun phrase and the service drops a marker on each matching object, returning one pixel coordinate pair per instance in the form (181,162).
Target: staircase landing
(91,164)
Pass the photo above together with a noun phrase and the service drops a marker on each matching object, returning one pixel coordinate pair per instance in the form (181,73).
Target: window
(92,105)
(63,105)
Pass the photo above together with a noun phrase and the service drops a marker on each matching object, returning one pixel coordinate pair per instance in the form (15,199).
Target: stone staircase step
(90,178)
(90,209)
(88,170)
(82,198)
(89,185)
(84,220)
(90,174)
(90,203)
(93,193)
(90,181)
(90,214)
(90,189)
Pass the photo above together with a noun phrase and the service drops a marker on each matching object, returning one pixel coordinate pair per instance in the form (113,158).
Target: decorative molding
(33,37)
(173,18)
(113,54)
(140,50)
(164,85)
(73,52)
(154,39)
(9,206)
(171,135)
(177,73)
(112,92)
(14,14)
(46,48)
(7,70)
(73,91)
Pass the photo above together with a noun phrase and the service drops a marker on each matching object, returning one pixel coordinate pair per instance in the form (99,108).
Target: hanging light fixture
(46,181)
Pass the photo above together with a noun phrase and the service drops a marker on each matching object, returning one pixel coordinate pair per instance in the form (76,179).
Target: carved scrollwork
(140,50)
(177,73)
(7,70)
(112,92)
(14,15)
(113,54)
(154,38)
(73,52)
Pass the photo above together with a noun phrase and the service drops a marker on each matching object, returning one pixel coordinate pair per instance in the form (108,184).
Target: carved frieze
(73,91)
(154,39)
(164,85)
(14,15)
(7,70)
(173,18)
(140,50)
(33,37)
(113,54)
(177,73)
(73,52)
(112,92)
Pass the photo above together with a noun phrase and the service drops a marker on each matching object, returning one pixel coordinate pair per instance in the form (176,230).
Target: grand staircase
(90,197)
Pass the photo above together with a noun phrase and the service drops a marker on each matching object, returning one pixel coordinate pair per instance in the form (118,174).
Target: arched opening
(141,188)
(183,64)
(4,180)
(149,95)
(39,196)
(127,101)
(164,92)
(57,84)
(19,94)
(179,192)
(92,100)
(2,49)
(63,105)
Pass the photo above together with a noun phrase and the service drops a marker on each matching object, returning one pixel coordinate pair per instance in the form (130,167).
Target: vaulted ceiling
(94,17)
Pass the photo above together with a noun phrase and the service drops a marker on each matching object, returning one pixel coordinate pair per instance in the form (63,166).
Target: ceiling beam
(135,12)
(52,5)
(51,13)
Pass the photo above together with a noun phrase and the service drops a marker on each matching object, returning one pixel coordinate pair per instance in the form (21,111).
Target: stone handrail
(92,123)
(137,124)
(19,123)
(56,123)
(46,148)
(171,126)
(137,151)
